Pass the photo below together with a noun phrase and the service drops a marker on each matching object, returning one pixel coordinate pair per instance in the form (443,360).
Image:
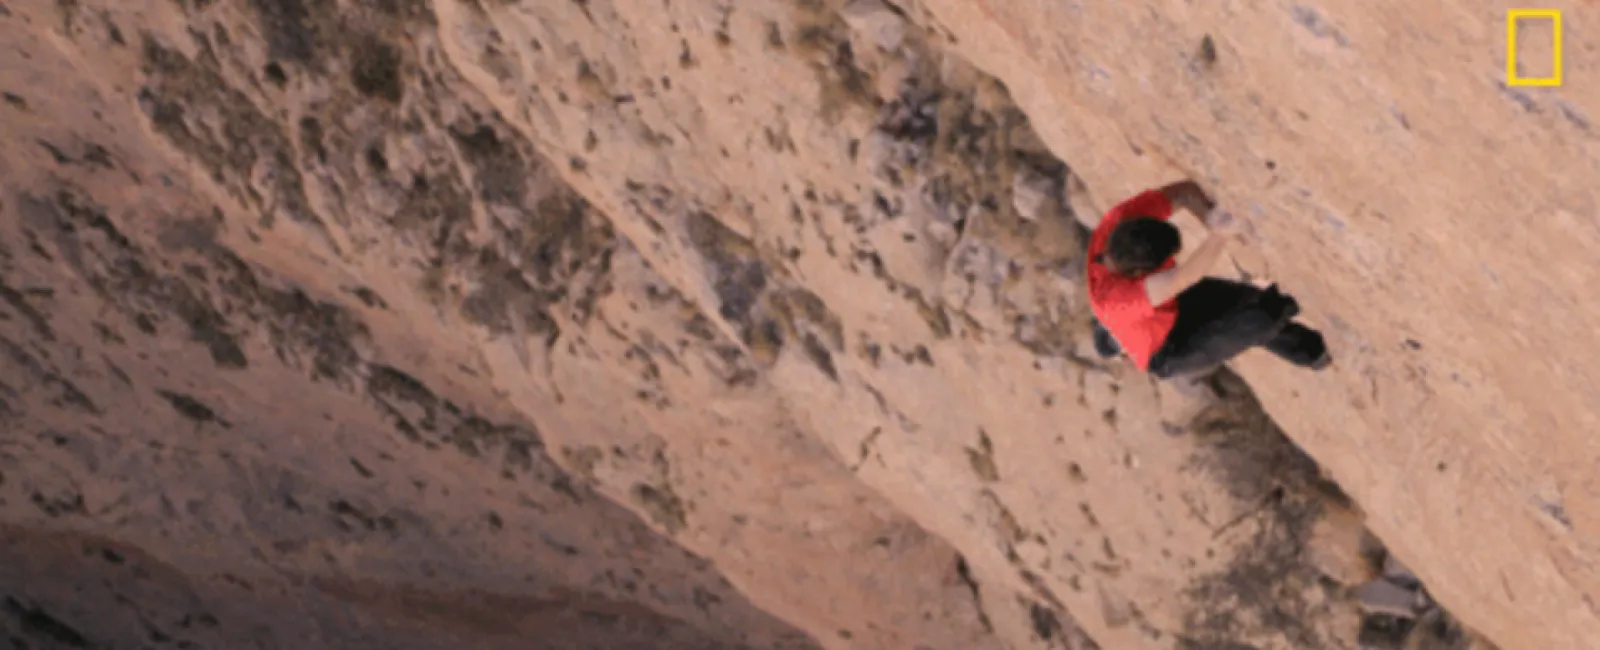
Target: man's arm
(1166,285)
(1188,195)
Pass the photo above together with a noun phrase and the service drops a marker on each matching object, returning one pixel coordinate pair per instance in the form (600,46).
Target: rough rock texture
(1439,223)
(687,324)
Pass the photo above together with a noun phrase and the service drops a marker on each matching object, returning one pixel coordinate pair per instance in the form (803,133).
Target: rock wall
(629,323)
(1438,223)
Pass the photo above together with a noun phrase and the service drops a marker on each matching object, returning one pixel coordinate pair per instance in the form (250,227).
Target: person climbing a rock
(1169,318)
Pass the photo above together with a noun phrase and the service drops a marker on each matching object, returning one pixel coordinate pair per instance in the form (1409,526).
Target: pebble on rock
(877,22)
(1031,193)
(1383,597)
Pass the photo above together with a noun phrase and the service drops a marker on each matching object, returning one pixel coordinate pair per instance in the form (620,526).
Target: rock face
(1437,222)
(626,323)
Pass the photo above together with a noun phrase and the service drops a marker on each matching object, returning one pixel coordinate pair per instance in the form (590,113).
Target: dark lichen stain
(738,276)
(1261,594)
(662,505)
(375,70)
(70,395)
(823,41)
(981,459)
(34,621)
(244,138)
(517,448)
(348,517)
(500,170)
(964,574)
(192,408)
(275,74)
(1208,50)
(370,298)
(1046,625)
(819,355)
(82,232)
(289,29)
(19,303)
(69,503)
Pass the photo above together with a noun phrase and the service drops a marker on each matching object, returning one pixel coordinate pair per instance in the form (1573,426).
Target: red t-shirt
(1120,302)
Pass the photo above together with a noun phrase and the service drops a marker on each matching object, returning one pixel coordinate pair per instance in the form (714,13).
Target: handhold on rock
(878,151)
(877,22)
(1336,545)
(1383,597)
(1031,193)
(1424,602)
(1032,552)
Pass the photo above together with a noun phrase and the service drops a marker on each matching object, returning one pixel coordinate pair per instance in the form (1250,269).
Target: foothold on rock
(1032,193)
(877,22)
(877,151)
(1100,389)
(1382,633)
(943,234)
(1032,553)
(1383,597)
(1334,547)
(1395,572)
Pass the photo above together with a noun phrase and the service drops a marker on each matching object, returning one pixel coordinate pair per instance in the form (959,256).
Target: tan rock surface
(1437,222)
(636,323)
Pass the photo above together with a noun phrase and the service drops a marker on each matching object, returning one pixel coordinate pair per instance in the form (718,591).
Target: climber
(1169,318)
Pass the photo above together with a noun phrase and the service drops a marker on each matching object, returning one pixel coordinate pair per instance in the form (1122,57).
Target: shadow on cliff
(77,592)
(1274,585)
(200,452)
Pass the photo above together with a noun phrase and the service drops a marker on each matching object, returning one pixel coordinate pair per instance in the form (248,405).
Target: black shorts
(1221,319)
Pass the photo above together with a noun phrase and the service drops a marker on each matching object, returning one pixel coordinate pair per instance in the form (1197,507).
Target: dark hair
(1142,244)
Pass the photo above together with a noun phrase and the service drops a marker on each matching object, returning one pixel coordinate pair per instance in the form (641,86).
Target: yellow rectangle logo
(1512,16)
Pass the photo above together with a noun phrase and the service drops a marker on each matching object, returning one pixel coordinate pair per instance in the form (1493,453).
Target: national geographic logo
(1518,17)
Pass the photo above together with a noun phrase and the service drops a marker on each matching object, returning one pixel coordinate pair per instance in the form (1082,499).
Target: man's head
(1140,245)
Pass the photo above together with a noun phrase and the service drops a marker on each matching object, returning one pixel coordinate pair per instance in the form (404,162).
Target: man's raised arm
(1188,195)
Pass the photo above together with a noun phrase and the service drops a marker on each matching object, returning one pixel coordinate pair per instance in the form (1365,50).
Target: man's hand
(1187,195)
(1221,222)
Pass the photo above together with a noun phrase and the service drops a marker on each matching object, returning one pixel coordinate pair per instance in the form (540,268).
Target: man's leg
(1214,343)
(1213,298)
(1218,320)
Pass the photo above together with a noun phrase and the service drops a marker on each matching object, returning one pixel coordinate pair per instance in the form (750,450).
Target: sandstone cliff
(655,323)
(1440,223)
